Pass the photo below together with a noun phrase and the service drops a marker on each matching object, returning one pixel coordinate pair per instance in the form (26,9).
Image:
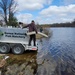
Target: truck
(15,40)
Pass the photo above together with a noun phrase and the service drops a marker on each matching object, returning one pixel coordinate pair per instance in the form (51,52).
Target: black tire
(18,49)
(4,48)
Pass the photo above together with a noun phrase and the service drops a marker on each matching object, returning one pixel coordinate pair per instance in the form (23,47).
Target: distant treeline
(63,25)
(67,24)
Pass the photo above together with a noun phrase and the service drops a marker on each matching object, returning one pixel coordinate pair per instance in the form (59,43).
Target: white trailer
(15,39)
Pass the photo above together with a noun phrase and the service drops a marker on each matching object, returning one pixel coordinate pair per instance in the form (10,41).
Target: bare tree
(7,9)
(3,6)
(12,6)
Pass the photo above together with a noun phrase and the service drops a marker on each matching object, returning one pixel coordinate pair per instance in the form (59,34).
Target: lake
(61,46)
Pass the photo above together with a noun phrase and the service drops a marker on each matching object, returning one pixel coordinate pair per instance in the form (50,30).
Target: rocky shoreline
(29,64)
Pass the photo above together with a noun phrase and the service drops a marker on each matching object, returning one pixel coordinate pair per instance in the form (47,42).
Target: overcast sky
(45,11)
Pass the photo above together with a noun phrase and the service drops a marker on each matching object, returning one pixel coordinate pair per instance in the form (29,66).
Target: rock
(28,70)
(46,66)
(23,69)
(2,63)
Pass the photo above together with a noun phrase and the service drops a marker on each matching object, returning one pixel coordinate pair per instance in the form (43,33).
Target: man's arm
(25,26)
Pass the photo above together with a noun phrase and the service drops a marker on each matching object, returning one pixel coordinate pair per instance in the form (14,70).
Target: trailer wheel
(18,49)
(4,48)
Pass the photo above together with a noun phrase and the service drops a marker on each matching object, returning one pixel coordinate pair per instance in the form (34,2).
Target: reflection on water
(62,48)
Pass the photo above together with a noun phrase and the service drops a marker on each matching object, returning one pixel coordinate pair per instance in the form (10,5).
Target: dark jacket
(32,27)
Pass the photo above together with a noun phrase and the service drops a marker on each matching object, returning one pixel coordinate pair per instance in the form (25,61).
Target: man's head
(32,21)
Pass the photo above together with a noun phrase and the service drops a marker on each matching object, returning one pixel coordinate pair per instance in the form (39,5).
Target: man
(32,27)
(20,24)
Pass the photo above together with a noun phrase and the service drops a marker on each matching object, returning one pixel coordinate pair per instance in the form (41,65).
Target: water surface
(61,46)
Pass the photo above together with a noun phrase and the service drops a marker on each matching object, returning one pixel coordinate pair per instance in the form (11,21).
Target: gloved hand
(26,34)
